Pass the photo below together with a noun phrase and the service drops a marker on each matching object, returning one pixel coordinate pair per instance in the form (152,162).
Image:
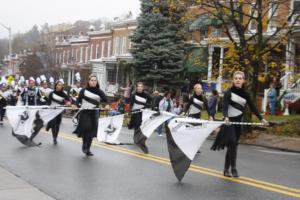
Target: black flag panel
(179,161)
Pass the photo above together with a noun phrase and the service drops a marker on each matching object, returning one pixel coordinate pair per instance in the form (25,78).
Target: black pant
(55,131)
(196,116)
(232,145)
(2,112)
(86,142)
(54,124)
(231,155)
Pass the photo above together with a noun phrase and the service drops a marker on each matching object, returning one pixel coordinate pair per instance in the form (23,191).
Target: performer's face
(93,82)
(198,89)
(59,86)
(45,85)
(140,88)
(31,83)
(238,80)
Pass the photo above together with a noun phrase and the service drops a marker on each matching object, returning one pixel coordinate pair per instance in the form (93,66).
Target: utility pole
(9,44)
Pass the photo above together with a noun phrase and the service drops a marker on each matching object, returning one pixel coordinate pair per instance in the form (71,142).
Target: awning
(197,60)
(203,22)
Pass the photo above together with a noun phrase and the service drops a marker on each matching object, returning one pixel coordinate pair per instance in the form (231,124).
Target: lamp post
(9,43)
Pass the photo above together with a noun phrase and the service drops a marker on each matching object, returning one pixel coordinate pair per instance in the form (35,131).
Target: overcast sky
(21,15)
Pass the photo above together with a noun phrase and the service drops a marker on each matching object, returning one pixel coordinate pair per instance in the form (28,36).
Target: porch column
(219,86)
(210,63)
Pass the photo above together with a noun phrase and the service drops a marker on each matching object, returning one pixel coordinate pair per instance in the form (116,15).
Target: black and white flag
(152,120)
(27,121)
(185,136)
(109,129)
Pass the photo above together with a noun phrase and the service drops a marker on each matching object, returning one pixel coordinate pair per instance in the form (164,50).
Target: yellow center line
(243,180)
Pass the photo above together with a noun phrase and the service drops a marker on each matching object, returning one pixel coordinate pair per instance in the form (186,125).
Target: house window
(253,14)
(111,74)
(203,34)
(120,47)
(97,47)
(296,6)
(216,32)
(233,32)
(273,7)
(124,48)
(81,54)
(108,48)
(69,56)
(57,58)
(60,58)
(86,54)
(116,48)
(102,49)
(63,57)
(296,10)
(91,53)
(76,55)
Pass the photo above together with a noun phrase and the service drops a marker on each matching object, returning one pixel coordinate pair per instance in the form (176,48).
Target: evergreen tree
(158,45)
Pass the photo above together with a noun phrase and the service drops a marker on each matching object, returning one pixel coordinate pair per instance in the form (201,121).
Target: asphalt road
(124,173)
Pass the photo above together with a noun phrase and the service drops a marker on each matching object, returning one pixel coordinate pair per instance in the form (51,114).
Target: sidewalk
(274,141)
(14,188)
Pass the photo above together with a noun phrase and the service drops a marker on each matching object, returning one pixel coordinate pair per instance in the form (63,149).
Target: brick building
(102,52)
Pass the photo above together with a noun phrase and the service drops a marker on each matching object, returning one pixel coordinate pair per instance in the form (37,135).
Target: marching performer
(51,82)
(197,103)
(234,103)
(89,100)
(74,91)
(139,100)
(3,102)
(57,98)
(44,91)
(30,95)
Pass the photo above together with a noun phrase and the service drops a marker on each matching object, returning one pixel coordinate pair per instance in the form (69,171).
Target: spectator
(155,100)
(127,92)
(212,103)
(178,107)
(166,104)
(119,109)
(272,96)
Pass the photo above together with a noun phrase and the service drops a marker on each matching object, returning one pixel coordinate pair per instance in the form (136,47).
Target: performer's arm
(79,99)
(132,98)
(187,107)
(226,100)
(206,107)
(148,102)
(38,96)
(103,97)
(67,99)
(50,98)
(252,107)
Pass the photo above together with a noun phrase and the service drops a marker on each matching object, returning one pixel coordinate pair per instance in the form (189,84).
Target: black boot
(234,173)
(226,173)
(84,148)
(89,153)
(88,147)
(144,148)
(54,135)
